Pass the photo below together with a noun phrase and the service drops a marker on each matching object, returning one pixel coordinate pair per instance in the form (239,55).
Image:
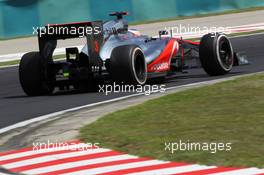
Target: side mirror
(163,32)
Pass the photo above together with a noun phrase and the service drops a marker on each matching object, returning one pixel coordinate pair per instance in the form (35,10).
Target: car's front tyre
(216,54)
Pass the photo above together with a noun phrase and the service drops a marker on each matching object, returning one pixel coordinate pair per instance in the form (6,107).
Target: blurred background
(17,17)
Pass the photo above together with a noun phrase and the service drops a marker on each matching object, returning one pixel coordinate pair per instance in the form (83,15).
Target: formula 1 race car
(114,53)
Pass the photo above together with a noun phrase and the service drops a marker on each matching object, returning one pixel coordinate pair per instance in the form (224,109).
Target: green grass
(15,62)
(198,15)
(231,111)
(9,63)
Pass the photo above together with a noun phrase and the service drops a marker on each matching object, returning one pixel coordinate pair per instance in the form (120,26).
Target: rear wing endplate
(93,31)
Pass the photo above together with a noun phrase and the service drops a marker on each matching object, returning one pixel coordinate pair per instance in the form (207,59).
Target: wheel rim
(139,66)
(225,53)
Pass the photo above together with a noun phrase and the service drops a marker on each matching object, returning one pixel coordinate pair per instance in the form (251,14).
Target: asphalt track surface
(15,106)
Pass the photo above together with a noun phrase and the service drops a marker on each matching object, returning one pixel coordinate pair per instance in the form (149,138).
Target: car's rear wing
(48,36)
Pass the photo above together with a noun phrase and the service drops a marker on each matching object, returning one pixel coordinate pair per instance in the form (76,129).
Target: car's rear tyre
(216,54)
(31,75)
(128,65)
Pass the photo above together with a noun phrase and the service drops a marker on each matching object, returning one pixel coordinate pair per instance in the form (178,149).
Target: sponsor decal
(96,46)
(160,67)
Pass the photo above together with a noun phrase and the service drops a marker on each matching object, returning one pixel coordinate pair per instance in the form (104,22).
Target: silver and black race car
(115,53)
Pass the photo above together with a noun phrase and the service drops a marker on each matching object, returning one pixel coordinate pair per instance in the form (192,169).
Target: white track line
(245,35)
(7,66)
(55,114)
(16,56)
